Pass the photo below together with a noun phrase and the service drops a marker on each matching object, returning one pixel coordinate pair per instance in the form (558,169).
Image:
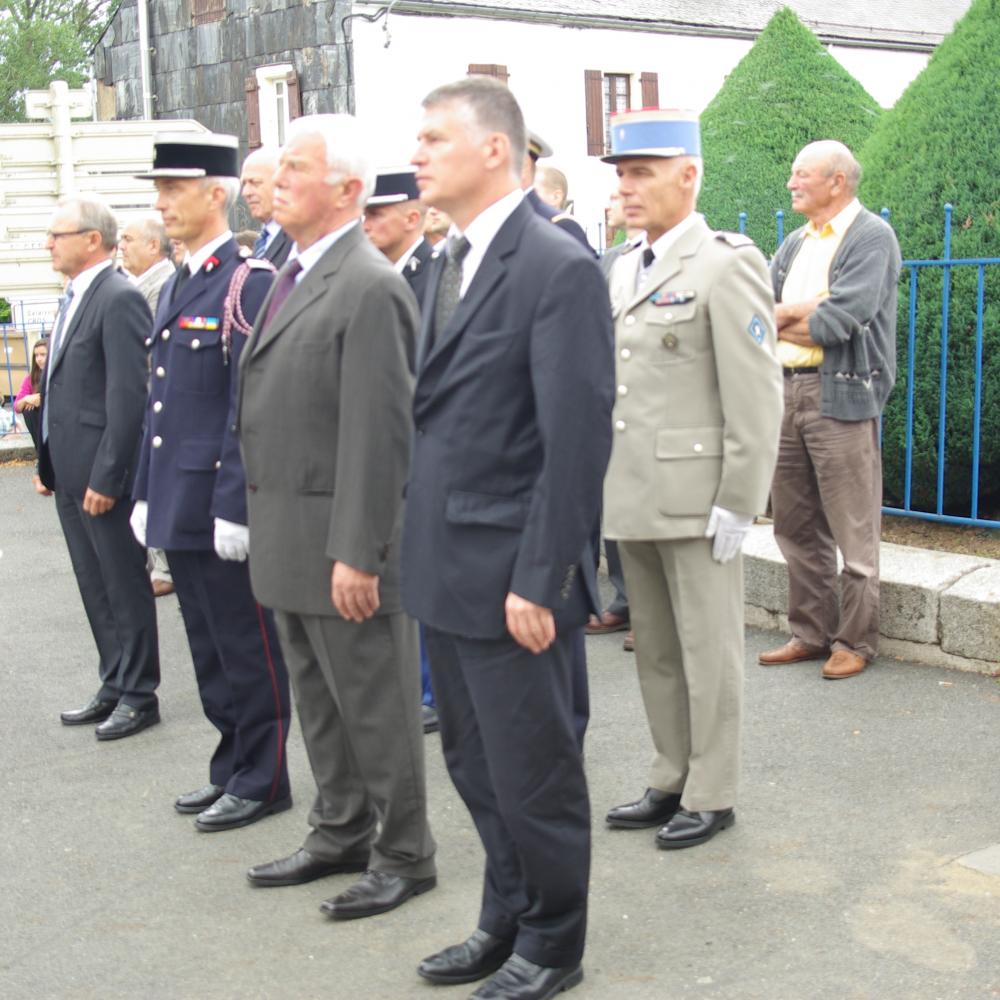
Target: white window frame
(272,94)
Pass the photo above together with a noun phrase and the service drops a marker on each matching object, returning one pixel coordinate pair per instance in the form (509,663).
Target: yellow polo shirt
(809,278)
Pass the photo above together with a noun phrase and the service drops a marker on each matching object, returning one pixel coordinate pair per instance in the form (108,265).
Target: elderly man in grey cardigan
(835,284)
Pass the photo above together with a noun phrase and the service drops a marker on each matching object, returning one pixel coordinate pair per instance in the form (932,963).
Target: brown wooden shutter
(253,112)
(294,96)
(494,70)
(203,11)
(650,90)
(593,90)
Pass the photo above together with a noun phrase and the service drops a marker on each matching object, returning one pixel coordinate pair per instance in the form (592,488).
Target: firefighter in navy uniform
(190,488)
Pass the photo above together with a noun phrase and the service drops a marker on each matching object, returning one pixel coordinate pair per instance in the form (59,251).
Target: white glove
(729,529)
(232,541)
(137,521)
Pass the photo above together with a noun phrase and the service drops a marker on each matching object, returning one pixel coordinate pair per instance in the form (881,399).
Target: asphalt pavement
(841,879)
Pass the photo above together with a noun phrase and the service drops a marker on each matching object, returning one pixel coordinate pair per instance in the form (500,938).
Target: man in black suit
(394,222)
(257,189)
(515,383)
(92,404)
(537,149)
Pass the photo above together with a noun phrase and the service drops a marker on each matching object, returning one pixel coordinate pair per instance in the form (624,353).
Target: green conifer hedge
(785,92)
(941,144)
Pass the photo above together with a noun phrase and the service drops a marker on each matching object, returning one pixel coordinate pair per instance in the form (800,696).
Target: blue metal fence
(910,284)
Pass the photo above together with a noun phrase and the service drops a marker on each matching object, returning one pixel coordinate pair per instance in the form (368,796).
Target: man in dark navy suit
(515,384)
(257,188)
(93,396)
(394,222)
(191,491)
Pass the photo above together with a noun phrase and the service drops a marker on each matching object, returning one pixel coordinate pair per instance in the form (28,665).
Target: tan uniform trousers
(827,494)
(687,612)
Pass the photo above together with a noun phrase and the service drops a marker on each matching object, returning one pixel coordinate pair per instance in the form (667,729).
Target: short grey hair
(153,228)
(231,187)
(835,157)
(494,109)
(93,213)
(346,148)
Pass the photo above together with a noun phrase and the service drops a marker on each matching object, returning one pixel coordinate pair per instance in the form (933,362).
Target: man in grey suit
(92,406)
(696,435)
(257,188)
(325,478)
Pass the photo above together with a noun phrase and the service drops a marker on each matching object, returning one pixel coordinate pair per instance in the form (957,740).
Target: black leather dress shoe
(519,979)
(202,798)
(230,811)
(95,710)
(375,892)
(127,721)
(430,718)
(688,829)
(653,809)
(478,956)
(299,868)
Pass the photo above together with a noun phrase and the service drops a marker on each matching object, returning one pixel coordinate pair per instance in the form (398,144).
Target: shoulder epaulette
(735,240)
(562,217)
(258,263)
(628,246)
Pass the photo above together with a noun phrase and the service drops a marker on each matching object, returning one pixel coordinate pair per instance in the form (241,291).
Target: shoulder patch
(757,329)
(735,240)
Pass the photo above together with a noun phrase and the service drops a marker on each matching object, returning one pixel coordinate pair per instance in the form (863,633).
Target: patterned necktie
(54,346)
(282,289)
(450,285)
(260,244)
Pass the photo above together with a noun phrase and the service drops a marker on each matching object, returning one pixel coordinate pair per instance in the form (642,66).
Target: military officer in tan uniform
(696,421)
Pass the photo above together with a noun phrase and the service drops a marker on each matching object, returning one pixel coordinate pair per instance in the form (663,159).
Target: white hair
(231,187)
(346,148)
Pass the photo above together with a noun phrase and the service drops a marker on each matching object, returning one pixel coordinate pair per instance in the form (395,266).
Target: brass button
(669,341)
(157,441)
(161,372)
(157,406)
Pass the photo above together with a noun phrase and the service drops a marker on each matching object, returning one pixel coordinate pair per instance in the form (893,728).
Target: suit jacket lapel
(79,315)
(670,264)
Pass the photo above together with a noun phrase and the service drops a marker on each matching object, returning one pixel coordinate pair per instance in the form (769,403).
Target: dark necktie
(648,260)
(183,273)
(260,244)
(55,345)
(282,289)
(648,257)
(450,285)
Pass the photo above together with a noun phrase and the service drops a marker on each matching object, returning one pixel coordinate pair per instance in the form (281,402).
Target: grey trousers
(687,613)
(357,694)
(827,495)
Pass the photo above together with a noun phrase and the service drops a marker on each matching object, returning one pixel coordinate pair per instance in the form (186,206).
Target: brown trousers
(827,495)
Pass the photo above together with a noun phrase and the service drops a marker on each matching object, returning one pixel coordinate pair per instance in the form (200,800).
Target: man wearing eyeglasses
(93,397)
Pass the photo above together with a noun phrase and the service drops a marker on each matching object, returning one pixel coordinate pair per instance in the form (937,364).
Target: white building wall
(546,66)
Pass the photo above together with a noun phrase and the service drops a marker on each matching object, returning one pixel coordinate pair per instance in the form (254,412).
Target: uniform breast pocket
(199,362)
(689,468)
(677,333)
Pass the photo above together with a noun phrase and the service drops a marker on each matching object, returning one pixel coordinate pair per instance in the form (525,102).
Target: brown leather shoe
(793,651)
(843,663)
(629,644)
(604,623)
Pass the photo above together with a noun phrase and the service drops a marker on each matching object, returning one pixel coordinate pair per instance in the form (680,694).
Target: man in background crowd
(835,280)
(257,189)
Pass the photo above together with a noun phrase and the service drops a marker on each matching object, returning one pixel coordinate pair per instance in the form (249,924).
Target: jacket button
(623,390)
(625,354)
(161,372)
(165,335)
(157,441)
(218,464)
(149,341)
(669,341)
(630,321)
(157,406)
(195,344)
(619,425)
(699,448)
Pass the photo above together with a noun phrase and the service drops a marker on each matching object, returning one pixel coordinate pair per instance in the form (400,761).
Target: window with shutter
(279,101)
(650,90)
(494,70)
(203,11)
(253,112)
(617,93)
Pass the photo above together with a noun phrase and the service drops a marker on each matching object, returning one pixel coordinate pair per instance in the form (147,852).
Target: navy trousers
(240,671)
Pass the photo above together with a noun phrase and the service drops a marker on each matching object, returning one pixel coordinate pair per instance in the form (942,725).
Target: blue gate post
(945,309)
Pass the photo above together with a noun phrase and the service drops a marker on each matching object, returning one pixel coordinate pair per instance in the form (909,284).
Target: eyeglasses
(68,232)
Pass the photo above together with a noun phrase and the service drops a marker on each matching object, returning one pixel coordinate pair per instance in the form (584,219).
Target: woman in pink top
(29,397)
